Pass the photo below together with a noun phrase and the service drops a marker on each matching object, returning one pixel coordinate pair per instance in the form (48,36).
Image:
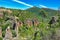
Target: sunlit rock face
(1,15)
(2,10)
(29,22)
(19,23)
(8,35)
(5,11)
(9,11)
(36,22)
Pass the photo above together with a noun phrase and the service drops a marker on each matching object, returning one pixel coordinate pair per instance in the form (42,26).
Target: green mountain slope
(37,10)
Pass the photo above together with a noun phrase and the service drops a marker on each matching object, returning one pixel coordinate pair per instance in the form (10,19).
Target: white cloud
(43,6)
(23,3)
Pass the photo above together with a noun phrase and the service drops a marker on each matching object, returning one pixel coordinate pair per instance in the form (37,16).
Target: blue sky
(24,4)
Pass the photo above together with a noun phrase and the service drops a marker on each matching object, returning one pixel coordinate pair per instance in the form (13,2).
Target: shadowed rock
(14,26)
(52,21)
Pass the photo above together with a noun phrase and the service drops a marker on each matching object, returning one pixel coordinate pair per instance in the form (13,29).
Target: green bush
(1,38)
(14,33)
(3,34)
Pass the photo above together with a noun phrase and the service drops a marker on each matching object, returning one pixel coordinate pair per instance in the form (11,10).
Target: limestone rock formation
(8,35)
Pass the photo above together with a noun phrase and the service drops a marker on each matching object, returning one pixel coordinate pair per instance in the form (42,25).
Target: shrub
(3,34)
(1,38)
(14,33)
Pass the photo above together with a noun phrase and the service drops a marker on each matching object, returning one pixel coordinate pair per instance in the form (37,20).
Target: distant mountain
(34,9)
(37,10)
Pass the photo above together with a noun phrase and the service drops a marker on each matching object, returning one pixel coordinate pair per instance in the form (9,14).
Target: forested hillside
(30,24)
